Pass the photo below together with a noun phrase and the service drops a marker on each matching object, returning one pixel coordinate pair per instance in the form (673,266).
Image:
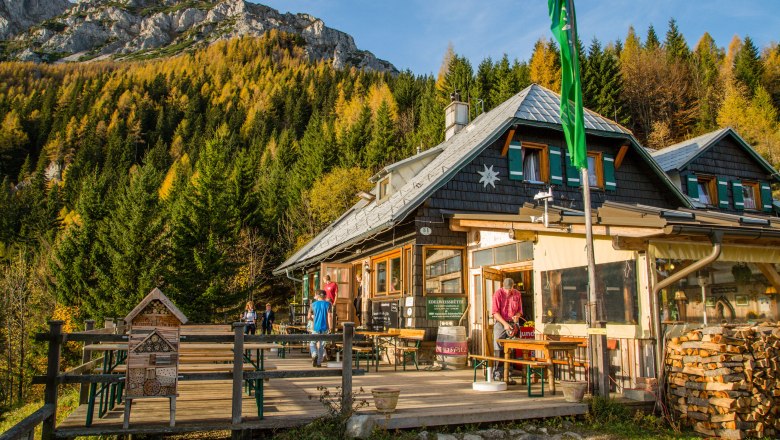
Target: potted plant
(385,399)
(573,390)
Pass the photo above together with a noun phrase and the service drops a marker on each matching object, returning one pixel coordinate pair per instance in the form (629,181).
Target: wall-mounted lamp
(770,290)
(367,267)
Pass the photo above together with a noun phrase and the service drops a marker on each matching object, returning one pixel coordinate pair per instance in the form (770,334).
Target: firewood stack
(725,381)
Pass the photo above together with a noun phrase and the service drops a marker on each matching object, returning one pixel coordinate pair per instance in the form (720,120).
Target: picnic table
(546,347)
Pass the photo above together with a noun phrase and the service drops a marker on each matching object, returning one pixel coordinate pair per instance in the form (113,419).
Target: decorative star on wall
(489,176)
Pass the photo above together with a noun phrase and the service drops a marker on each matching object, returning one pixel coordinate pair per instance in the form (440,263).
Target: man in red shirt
(507,308)
(331,294)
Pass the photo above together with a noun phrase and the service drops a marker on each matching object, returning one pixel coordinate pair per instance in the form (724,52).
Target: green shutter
(556,169)
(572,173)
(515,161)
(693,186)
(723,193)
(766,196)
(736,190)
(610,184)
(305,293)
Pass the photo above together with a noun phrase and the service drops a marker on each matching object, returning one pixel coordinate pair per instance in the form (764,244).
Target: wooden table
(375,335)
(546,347)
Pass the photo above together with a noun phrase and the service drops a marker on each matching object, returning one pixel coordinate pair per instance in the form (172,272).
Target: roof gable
(534,105)
(682,154)
(156,294)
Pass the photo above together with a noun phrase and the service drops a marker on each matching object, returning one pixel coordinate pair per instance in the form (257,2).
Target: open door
(491,281)
(341,274)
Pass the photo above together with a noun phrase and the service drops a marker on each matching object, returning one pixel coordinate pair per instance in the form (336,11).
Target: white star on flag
(489,177)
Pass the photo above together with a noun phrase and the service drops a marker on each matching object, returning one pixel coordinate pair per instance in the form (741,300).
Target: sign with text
(384,315)
(444,308)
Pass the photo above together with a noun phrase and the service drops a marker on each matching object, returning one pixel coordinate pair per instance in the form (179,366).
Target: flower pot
(385,399)
(573,391)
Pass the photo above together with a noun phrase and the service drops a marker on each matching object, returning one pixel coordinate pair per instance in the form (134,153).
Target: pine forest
(201,172)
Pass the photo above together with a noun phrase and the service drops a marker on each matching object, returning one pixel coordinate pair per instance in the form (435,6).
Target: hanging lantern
(770,290)
(680,295)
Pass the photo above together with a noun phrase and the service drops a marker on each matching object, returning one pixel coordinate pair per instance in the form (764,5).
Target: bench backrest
(412,333)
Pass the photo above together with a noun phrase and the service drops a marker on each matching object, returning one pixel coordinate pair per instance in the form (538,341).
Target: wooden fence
(46,416)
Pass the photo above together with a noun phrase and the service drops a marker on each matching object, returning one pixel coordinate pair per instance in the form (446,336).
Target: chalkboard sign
(384,315)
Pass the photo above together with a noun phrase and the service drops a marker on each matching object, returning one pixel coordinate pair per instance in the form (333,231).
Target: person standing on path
(320,316)
(507,307)
(268,319)
(250,318)
(358,301)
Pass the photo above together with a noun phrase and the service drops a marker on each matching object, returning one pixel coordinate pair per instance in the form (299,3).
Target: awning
(698,251)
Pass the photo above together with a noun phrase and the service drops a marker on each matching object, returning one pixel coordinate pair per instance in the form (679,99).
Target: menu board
(384,315)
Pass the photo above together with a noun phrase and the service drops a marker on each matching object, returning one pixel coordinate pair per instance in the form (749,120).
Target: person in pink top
(507,307)
(331,294)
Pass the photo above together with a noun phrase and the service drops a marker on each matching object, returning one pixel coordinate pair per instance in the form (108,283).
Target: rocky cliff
(18,15)
(127,29)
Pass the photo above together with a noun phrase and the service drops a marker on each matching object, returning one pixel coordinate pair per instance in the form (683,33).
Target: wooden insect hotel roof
(156,294)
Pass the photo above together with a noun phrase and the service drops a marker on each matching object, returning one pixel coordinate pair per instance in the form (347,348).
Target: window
(508,253)
(565,293)
(708,190)
(535,168)
(750,195)
(384,187)
(595,170)
(387,273)
(443,271)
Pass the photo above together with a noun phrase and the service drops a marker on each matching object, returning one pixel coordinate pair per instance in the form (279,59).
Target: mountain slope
(17,16)
(127,29)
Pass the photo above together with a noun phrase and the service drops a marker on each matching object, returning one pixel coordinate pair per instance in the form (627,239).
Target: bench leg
(173,410)
(128,404)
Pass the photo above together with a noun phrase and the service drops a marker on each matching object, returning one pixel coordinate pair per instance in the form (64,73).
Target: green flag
(564,29)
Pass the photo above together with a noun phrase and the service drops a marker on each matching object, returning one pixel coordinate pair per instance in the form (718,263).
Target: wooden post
(238,370)
(346,369)
(86,356)
(52,370)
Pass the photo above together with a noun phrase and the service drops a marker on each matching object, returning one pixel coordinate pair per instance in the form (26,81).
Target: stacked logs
(725,381)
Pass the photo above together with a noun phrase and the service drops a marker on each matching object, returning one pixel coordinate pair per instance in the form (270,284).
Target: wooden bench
(579,359)
(409,344)
(481,360)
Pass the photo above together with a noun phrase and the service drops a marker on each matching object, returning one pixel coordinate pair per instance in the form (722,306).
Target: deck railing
(46,416)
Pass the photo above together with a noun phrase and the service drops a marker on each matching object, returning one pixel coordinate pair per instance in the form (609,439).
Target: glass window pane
(749,196)
(592,177)
(506,254)
(531,165)
(381,276)
(482,258)
(443,271)
(395,274)
(525,251)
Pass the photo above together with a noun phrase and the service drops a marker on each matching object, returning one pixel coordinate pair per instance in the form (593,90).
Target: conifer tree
(483,85)
(382,148)
(204,226)
(747,65)
(705,64)
(505,84)
(675,45)
(544,66)
(652,42)
(132,244)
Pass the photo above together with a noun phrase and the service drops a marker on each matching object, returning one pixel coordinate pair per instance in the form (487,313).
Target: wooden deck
(428,398)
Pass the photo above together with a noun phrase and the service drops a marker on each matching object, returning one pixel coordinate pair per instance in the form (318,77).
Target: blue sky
(414,34)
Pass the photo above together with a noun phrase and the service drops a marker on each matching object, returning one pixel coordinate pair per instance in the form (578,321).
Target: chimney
(456,116)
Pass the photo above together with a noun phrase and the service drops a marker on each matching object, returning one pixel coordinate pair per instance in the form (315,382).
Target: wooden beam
(629,244)
(770,273)
(620,156)
(569,228)
(508,140)
(525,236)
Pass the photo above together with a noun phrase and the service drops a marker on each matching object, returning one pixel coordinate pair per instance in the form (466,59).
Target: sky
(414,34)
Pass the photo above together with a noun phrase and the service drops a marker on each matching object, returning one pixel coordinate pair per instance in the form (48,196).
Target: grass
(68,401)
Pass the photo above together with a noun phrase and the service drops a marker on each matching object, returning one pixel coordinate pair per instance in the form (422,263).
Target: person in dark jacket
(268,319)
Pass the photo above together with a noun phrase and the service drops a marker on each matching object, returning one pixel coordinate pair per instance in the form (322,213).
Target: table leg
(570,356)
(550,370)
(506,364)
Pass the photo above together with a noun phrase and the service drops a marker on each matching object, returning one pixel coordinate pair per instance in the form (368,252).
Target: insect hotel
(153,351)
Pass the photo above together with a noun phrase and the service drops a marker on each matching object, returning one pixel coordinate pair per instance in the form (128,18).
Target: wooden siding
(726,159)
(636,183)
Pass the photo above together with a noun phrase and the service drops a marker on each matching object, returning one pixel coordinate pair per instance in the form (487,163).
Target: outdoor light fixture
(680,295)
(770,290)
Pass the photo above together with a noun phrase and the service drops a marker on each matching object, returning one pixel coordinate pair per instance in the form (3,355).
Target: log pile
(725,381)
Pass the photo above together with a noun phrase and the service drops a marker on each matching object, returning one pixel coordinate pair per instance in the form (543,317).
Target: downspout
(287,272)
(715,238)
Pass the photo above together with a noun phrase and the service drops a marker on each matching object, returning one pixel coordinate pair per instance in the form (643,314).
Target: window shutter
(556,169)
(693,186)
(572,173)
(305,286)
(736,189)
(723,193)
(515,155)
(766,196)
(610,184)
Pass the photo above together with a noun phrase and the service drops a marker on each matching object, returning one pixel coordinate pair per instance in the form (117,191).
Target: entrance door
(491,281)
(341,274)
